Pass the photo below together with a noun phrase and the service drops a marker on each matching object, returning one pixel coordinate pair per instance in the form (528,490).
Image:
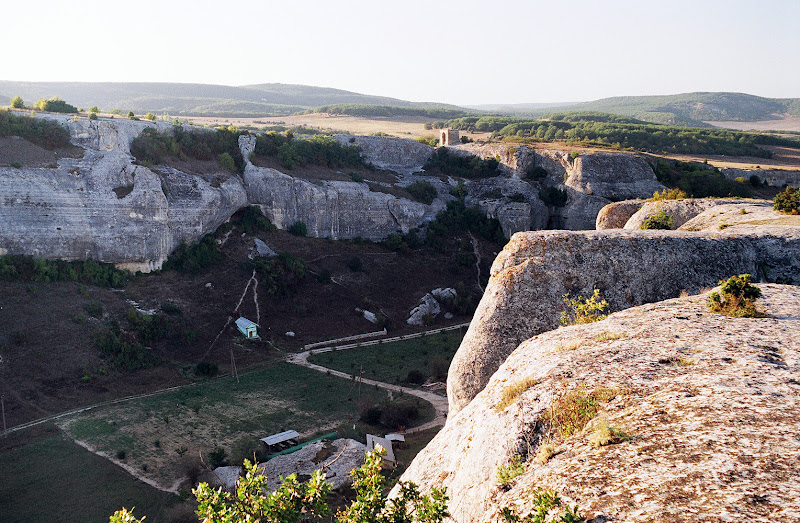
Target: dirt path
(439,402)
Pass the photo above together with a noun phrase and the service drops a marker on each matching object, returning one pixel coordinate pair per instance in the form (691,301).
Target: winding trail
(439,402)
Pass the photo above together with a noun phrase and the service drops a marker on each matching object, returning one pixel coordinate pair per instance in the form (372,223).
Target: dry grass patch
(513,391)
(605,434)
(570,347)
(544,453)
(572,411)
(608,336)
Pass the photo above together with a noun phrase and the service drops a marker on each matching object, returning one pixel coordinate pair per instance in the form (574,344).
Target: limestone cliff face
(338,210)
(73,212)
(592,180)
(616,215)
(711,405)
(534,271)
(393,154)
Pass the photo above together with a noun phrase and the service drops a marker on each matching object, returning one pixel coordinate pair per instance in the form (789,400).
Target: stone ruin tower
(449,137)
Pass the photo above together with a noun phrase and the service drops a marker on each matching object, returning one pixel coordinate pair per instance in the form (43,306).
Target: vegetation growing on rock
(464,166)
(46,133)
(423,192)
(55,105)
(788,201)
(736,298)
(152,146)
(659,220)
(582,310)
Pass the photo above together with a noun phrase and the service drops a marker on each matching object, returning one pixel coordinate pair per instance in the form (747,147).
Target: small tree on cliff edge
(17,103)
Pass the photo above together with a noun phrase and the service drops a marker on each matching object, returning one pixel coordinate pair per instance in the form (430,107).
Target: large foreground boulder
(710,405)
(524,296)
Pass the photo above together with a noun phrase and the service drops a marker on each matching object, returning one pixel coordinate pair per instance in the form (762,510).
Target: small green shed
(248,328)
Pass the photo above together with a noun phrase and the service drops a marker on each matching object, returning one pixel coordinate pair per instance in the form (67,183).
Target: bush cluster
(123,350)
(282,275)
(736,298)
(658,220)
(194,258)
(54,105)
(315,150)
(423,192)
(27,268)
(582,310)
(46,133)
(698,180)
(464,166)
(222,144)
(787,201)
(252,220)
(457,217)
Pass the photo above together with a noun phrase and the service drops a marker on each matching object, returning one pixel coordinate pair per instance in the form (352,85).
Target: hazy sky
(461,51)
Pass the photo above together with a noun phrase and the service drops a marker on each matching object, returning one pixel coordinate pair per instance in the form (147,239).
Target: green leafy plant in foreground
(736,298)
(658,220)
(582,310)
(295,501)
(511,470)
(545,501)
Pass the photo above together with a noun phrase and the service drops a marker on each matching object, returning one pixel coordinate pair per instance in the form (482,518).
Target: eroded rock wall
(524,296)
(73,212)
(710,404)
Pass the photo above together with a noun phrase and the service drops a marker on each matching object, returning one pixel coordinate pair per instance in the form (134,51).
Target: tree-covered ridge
(432,111)
(608,130)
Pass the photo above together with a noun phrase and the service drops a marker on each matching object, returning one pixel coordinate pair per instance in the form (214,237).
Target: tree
(295,501)
(94,109)
(150,116)
(17,103)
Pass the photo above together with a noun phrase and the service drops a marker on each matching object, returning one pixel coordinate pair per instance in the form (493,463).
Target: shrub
(535,173)
(123,351)
(16,164)
(658,220)
(698,180)
(755,181)
(55,105)
(226,161)
(150,116)
(416,377)
(459,190)
(206,369)
(582,310)
(669,194)
(787,201)
(316,150)
(324,276)
(17,103)
(298,229)
(553,196)
(26,268)
(252,220)
(465,166)
(194,258)
(92,116)
(509,471)
(356,177)
(94,109)
(46,133)
(423,192)
(94,309)
(429,140)
(217,457)
(282,275)
(355,264)
(395,242)
(170,308)
(736,298)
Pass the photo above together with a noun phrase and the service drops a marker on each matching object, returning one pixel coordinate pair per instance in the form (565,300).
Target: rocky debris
(425,312)
(444,294)
(530,276)
(290,334)
(369,316)
(681,210)
(616,215)
(305,462)
(711,405)
(263,250)
(225,477)
(743,213)
(395,154)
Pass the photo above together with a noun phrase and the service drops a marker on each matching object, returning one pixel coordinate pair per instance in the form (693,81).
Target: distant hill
(689,109)
(195,99)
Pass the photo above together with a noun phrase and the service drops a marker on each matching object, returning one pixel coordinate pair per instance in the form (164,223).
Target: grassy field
(158,436)
(53,479)
(391,362)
